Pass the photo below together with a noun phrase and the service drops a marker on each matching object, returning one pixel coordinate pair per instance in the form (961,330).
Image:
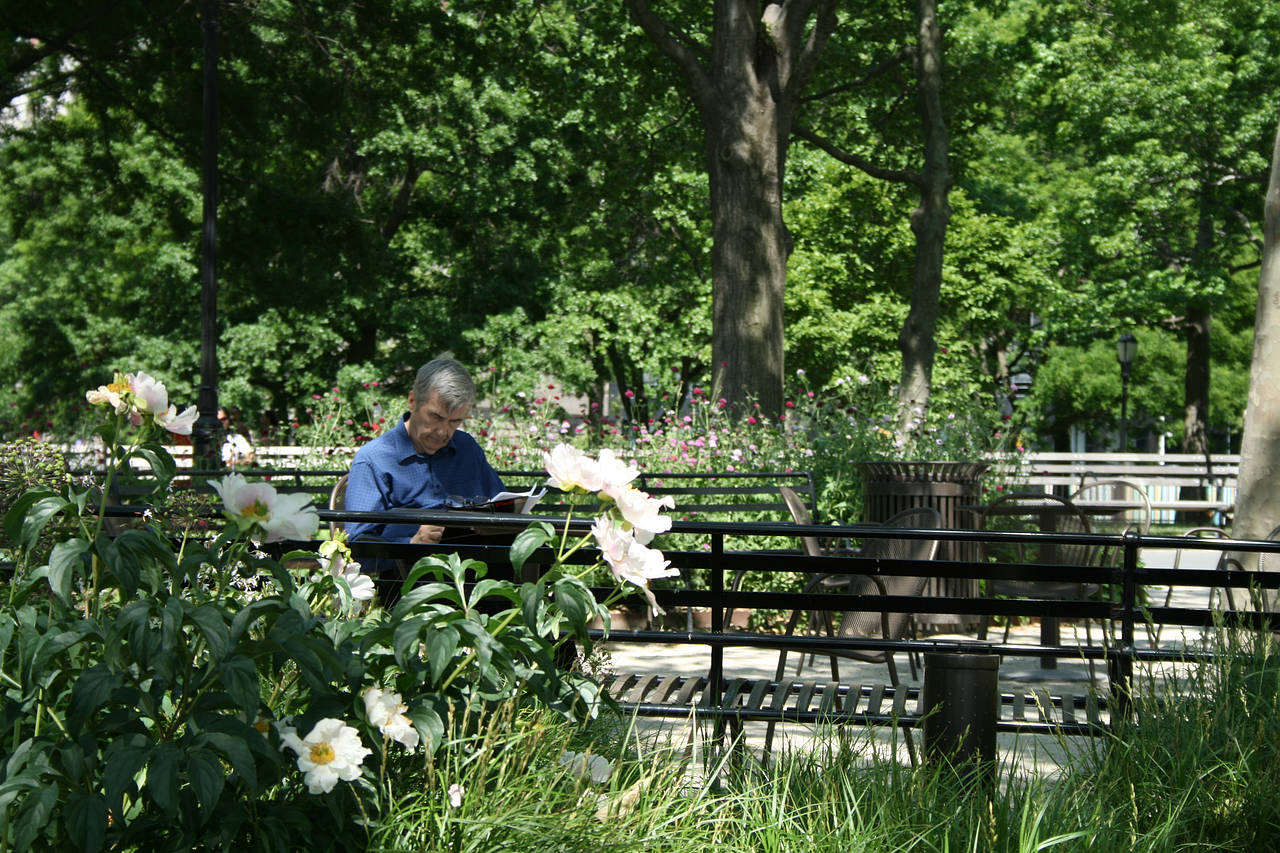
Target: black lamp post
(1126,349)
(206,434)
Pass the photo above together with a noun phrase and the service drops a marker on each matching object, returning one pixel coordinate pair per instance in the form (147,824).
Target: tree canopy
(525,184)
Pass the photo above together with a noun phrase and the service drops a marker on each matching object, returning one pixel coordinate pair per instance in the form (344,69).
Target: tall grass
(1197,771)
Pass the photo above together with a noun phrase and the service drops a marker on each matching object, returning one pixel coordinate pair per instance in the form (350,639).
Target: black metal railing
(713,567)
(707,575)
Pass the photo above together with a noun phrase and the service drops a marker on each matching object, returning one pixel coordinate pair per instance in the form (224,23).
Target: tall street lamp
(1126,349)
(206,435)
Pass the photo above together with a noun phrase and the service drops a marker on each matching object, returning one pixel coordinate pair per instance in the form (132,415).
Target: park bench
(711,494)
(1030,709)
(1164,477)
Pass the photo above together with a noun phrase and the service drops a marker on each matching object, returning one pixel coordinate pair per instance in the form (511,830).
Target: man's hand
(428,534)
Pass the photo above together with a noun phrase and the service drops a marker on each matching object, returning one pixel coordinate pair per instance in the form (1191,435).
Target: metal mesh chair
(337,501)
(872,623)
(1036,512)
(876,624)
(1133,512)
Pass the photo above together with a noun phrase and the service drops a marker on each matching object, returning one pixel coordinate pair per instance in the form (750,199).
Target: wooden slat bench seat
(824,701)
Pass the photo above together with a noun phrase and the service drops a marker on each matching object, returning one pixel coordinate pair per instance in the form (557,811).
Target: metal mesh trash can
(890,487)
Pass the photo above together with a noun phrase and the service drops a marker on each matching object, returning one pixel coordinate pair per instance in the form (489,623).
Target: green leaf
(208,618)
(533,602)
(161,463)
(125,757)
(427,720)
(442,645)
(162,777)
(404,640)
(237,754)
(529,540)
(38,516)
(240,678)
(86,818)
(492,586)
(207,778)
(416,597)
(34,814)
(17,513)
(51,647)
(64,560)
(569,598)
(92,689)
(250,613)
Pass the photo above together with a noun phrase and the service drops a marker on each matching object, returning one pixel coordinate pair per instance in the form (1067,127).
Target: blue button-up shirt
(388,473)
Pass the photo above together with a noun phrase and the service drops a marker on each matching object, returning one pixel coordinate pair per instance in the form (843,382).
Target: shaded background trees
(522,183)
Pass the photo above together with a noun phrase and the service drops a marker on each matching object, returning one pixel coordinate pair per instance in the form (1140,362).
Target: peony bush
(206,683)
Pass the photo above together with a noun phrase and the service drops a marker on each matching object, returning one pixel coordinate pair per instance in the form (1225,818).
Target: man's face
(431,423)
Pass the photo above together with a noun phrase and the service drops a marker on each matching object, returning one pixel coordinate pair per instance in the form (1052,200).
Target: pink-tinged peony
(385,710)
(331,752)
(642,513)
(569,469)
(629,560)
(249,505)
(149,394)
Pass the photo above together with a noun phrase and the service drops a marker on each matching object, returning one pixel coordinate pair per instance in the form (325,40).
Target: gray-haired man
(422,461)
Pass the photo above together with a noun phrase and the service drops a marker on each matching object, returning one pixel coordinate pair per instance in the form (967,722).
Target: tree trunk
(746,93)
(1258,499)
(749,251)
(928,222)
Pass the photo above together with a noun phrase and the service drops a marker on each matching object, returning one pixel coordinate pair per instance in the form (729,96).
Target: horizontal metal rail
(708,572)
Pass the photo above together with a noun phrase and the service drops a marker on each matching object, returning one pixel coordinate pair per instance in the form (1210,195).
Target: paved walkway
(1041,754)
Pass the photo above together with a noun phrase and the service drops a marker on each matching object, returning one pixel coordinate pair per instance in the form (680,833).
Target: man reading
(422,461)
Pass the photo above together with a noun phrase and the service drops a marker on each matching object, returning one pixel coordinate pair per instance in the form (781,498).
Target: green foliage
(519,184)
(151,684)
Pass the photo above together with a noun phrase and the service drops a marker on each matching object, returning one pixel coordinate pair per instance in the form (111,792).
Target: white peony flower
(385,710)
(179,424)
(614,472)
(597,767)
(334,559)
(642,512)
(568,468)
(111,395)
(455,795)
(332,751)
(258,504)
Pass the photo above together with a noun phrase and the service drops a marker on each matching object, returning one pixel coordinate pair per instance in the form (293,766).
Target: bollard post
(961,704)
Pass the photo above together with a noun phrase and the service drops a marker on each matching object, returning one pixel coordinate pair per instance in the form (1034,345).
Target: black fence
(1123,599)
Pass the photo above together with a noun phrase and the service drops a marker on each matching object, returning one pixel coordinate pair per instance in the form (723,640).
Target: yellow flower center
(322,753)
(262,726)
(256,511)
(118,387)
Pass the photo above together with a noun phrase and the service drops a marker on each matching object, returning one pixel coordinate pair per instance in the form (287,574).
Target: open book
(517,502)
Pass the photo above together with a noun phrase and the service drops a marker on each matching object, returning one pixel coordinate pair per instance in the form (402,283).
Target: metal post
(1120,666)
(1124,406)
(207,431)
(961,706)
(1126,349)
